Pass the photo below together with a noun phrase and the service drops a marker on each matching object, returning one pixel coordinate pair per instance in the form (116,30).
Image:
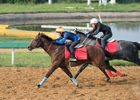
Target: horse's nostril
(29,48)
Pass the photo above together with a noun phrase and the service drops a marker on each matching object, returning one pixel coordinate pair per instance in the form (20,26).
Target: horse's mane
(47,37)
(78,32)
(81,33)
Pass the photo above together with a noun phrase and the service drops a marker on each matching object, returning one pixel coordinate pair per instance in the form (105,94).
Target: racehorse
(127,50)
(95,56)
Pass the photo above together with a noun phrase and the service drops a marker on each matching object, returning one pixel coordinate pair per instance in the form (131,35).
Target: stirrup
(72,59)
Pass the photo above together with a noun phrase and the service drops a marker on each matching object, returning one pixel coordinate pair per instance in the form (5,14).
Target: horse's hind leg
(108,78)
(137,62)
(79,71)
(117,72)
(109,72)
(66,70)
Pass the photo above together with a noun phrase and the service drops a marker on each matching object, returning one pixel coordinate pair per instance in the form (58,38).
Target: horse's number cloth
(80,53)
(110,46)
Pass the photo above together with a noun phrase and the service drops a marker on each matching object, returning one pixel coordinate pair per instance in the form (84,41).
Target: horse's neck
(90,41)
(47,46)
(87,41)
(52,48)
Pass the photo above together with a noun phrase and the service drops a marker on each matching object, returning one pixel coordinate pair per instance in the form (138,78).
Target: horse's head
(37,42)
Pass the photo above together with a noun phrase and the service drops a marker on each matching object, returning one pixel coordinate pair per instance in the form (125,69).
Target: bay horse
(128,51)
(95,56)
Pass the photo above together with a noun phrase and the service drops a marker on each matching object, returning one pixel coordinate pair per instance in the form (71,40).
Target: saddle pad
(110,46)
(80,53)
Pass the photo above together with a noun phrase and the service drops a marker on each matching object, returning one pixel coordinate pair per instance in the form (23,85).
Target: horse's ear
(39,34)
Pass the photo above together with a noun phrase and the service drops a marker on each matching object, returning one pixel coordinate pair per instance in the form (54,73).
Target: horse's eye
(36,40)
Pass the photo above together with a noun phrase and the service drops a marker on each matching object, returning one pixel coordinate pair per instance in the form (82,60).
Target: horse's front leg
(51,70)
(66,70)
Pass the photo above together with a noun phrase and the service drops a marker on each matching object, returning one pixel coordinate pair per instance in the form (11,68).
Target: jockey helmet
(60,29)
(93,21)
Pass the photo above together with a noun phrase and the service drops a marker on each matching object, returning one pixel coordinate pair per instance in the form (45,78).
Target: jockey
(99,27)
(67,35)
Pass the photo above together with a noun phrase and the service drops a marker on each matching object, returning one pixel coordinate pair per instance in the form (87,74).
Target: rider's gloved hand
(88,35)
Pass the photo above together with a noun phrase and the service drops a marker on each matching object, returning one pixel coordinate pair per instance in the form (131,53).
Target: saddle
(80,53)
(111,46)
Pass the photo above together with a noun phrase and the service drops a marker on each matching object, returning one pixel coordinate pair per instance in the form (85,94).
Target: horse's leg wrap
(43,80)
(110,74)
(75,81)
(119,74)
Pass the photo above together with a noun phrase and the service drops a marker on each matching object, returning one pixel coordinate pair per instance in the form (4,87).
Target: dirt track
(18,84)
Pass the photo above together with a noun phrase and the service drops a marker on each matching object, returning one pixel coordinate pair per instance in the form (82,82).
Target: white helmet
(93,20)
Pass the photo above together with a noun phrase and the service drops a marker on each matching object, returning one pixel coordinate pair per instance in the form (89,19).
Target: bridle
(45,44)
(37,40)
(49,47)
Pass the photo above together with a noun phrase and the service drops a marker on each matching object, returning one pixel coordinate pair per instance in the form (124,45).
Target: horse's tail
(137,44)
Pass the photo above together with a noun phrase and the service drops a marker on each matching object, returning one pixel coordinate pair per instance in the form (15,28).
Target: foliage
(64,8)
(127,1)
(60,1)
(23,1)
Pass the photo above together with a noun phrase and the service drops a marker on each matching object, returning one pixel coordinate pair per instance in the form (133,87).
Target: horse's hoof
(77,85)
(122,75)
(125,74)
(38,86)
(108,79)
(69,81)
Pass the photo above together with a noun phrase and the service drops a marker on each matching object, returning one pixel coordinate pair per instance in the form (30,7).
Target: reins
(49,47)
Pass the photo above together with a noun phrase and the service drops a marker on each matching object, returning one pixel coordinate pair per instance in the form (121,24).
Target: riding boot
(103,45)
(72,58)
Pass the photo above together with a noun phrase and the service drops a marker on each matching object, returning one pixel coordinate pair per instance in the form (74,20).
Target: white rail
(67,27)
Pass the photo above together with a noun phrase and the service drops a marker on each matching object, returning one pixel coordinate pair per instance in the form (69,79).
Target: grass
(28,59)
(41,60)
(61,7)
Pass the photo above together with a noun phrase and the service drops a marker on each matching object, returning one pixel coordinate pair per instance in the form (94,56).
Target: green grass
(28,59)
(121,63)
(61,7)
(41,60)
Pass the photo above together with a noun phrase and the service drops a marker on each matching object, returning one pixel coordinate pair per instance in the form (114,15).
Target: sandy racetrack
(18,84)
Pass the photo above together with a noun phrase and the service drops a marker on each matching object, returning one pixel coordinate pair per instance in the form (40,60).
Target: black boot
(72,58)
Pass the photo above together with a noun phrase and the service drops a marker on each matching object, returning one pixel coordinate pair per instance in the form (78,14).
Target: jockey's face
(93,25)
(59,33)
